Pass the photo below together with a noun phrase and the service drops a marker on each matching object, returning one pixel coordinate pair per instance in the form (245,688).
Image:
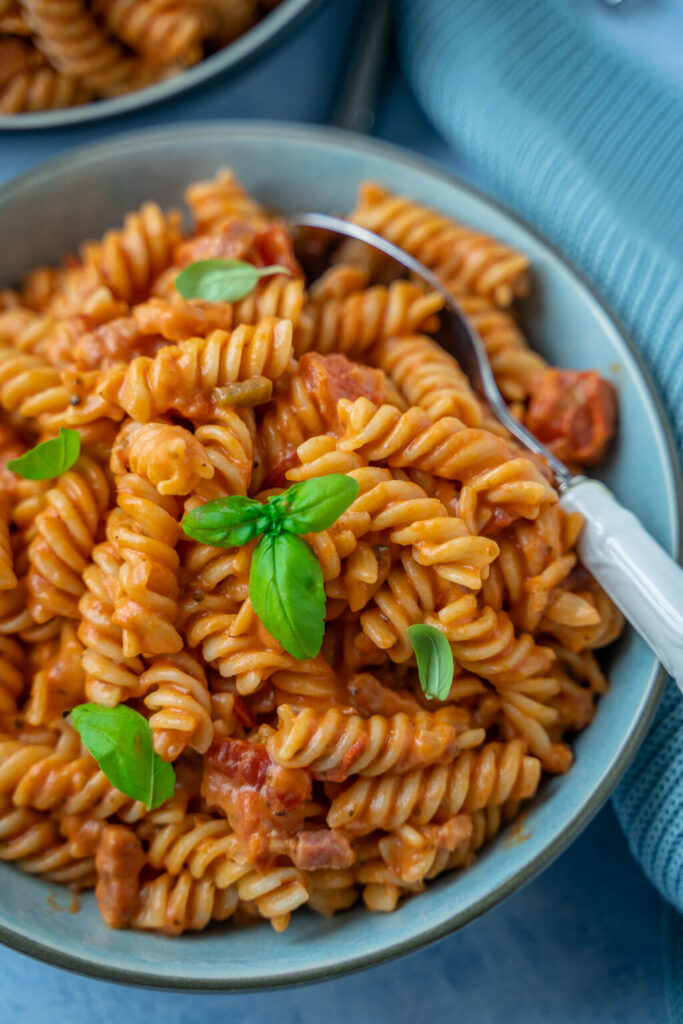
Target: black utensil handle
(364,68)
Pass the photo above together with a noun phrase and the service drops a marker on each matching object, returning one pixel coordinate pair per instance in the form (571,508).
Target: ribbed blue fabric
(587,145)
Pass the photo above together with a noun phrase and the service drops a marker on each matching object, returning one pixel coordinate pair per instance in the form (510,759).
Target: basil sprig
(287,593)
(285,580)
(50,458)
(434,660)
(222,280)
(120,739)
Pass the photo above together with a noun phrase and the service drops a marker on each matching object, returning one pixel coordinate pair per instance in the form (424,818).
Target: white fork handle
(639,576)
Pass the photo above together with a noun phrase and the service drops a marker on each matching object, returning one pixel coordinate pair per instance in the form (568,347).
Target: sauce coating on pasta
(313,782)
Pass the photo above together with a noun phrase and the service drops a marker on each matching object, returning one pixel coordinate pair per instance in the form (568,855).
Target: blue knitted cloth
(587,145)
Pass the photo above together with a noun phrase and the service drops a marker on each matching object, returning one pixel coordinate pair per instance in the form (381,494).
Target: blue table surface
(582,942)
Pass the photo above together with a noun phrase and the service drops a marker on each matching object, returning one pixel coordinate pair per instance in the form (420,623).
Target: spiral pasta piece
(11,676)
(110,676)
(62,779)
(230,644)
(412,851)
(31,841)
(34,389)
(65,535)
(429,378)
(514,364)
(59,684)
(476,779)
(41,88)
(222,198)
(180,376)
(68,34)
(146,538)
(197,843)
(484,641)
(8,579)
(447,448)
(332,890)
(229,447)
(403,510)
(128,259)
(170,457)
(173,904)
(338,743)
(275,893)
(356,322)
(467,261)
(180,704)
(161,33)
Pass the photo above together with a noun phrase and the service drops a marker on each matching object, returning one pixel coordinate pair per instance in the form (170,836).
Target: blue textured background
(584,942)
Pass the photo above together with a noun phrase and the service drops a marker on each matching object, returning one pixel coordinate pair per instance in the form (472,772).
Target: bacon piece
(119,861)
(178,321)
(274,245)
(117,341)
(573,412)
(256,795)
(232,241)
(329,378)
(322,848)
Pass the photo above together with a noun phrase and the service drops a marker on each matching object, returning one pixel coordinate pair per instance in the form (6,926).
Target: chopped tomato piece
(573,412)
(329,378)
(231,242)
(257,796)
(274,245)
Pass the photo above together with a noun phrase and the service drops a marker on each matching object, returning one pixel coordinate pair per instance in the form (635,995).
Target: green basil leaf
(434,660)
(222,280)
(50,458)
(120,739)
(315,504)
(226,522)
(286,591)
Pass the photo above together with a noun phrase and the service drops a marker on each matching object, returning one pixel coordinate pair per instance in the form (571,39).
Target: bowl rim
(228,61)
(295,132)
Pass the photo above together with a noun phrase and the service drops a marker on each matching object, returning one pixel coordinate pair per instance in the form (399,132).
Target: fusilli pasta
(299,782)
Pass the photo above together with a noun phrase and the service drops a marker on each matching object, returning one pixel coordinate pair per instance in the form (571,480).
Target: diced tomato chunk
(258,796)
(231,242)
(274,245)
(573,412)
(329,378)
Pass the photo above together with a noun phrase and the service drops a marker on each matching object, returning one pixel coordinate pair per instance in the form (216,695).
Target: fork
(639,576)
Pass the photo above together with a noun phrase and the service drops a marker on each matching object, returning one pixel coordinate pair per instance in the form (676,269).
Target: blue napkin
(586,144)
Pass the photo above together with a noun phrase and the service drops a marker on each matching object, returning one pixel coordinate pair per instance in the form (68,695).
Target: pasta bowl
(290,168)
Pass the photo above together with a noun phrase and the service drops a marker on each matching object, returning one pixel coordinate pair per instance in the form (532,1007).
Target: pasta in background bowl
(320,170)
(71,61)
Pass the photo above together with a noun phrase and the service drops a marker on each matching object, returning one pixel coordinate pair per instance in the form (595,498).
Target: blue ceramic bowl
(290,168)
(227,61)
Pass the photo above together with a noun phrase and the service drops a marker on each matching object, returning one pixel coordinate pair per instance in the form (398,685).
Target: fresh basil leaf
(315,504)
(434,660)
(226,522)
(120,739)
(286,591)
(222,280)
(49,458)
